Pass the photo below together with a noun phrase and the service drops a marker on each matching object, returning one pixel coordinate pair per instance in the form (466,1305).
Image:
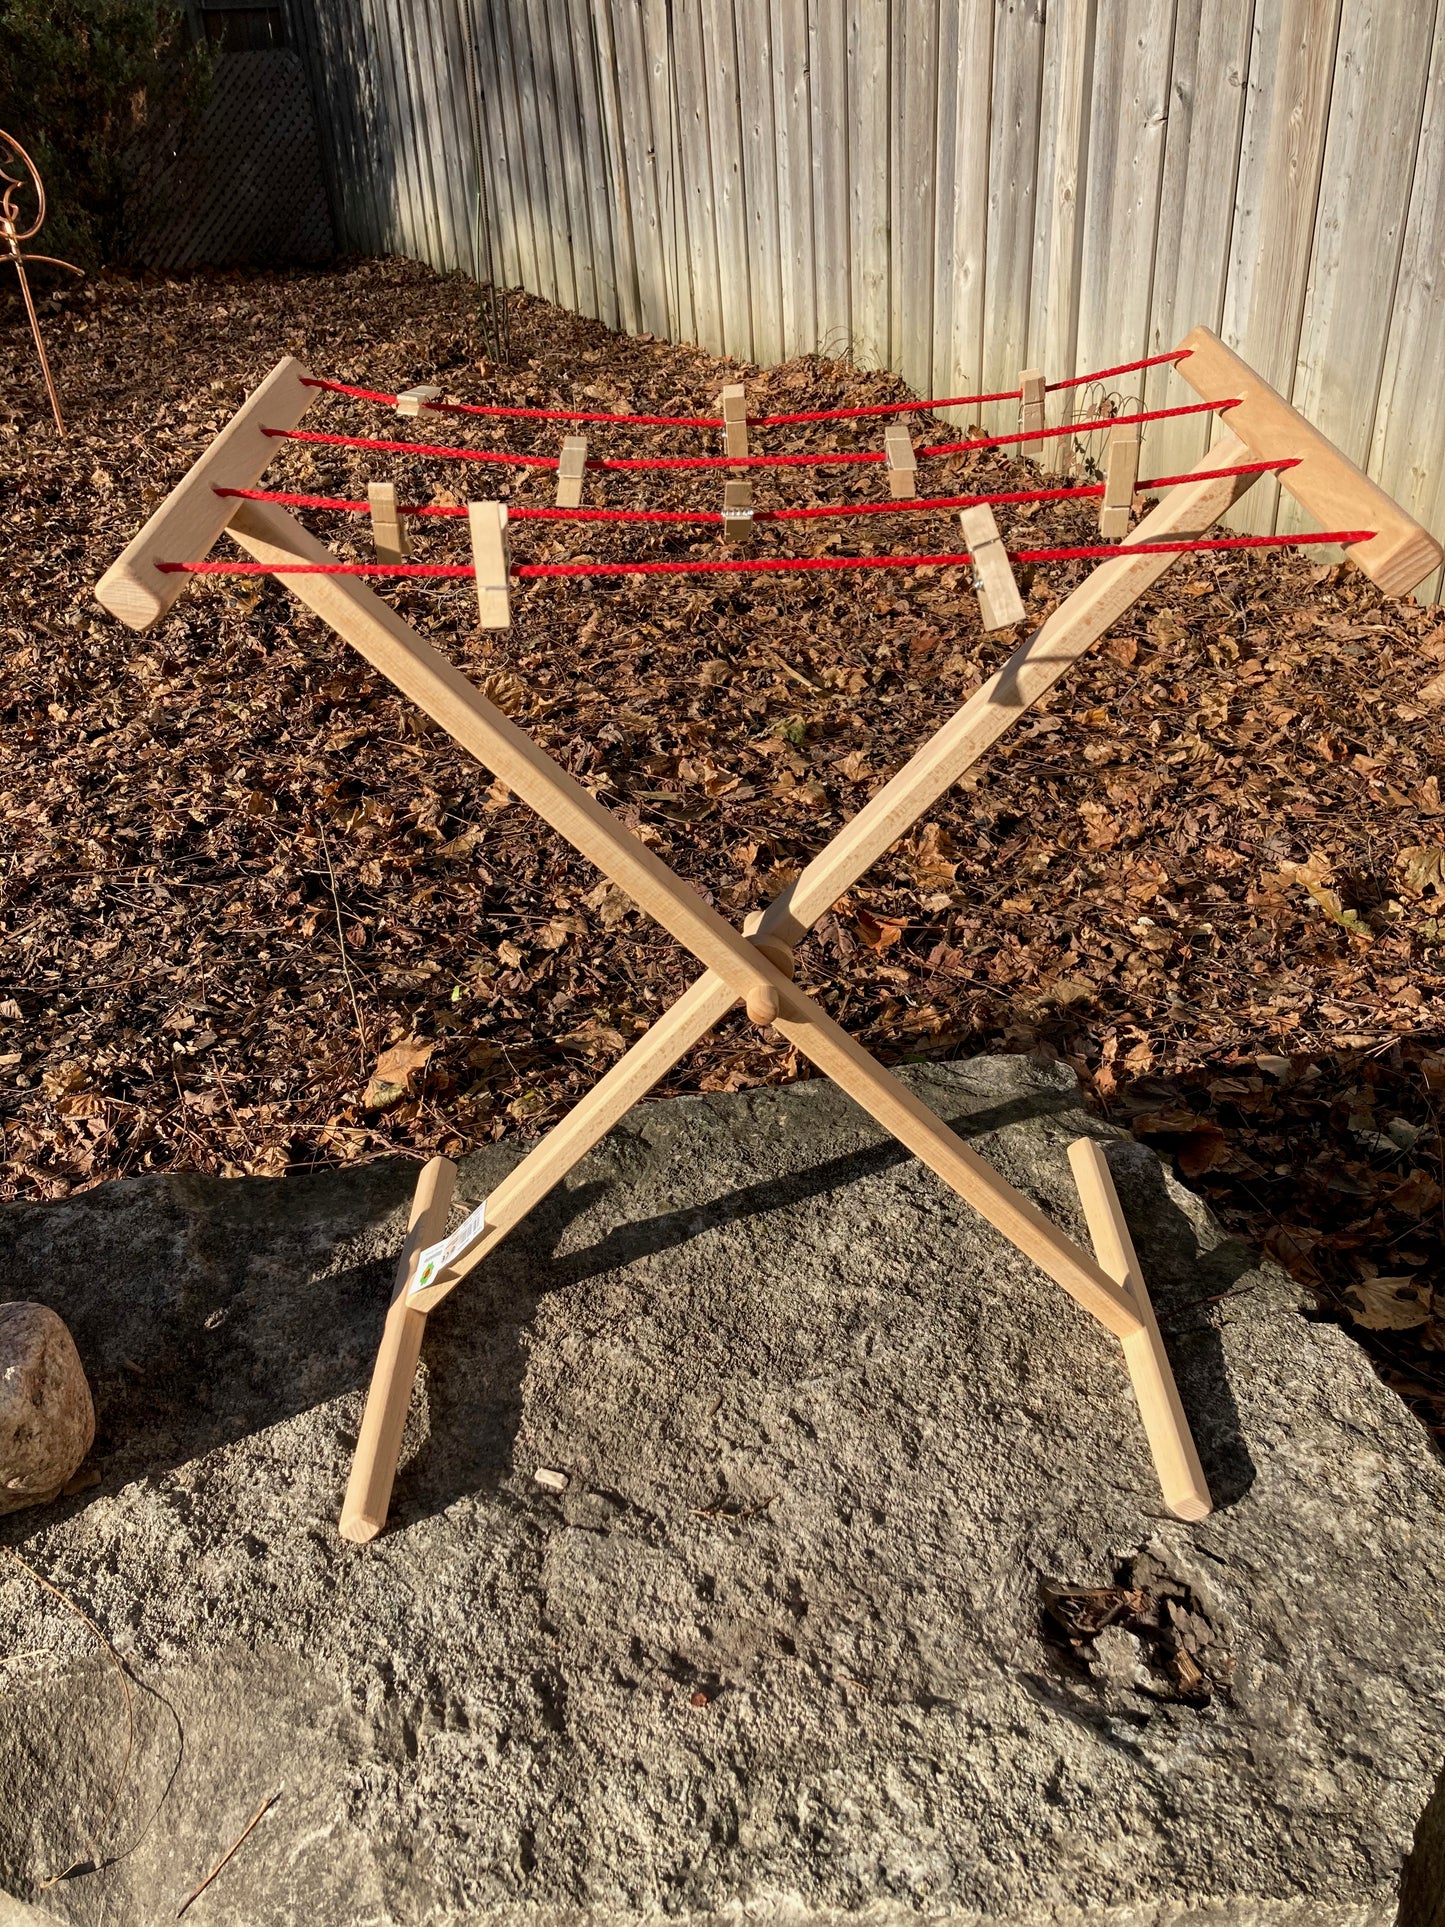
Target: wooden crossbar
(1337,494)
(752,966)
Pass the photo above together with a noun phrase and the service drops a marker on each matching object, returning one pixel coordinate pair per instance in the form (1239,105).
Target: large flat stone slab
(782,1648)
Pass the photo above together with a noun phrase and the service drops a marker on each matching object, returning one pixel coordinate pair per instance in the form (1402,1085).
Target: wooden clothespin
(571,471)
(734,403)
(1031,407)
(487,522)
(387,532)
(1121,472)
(902,462)
(737,511)
(999,602)
(411,401)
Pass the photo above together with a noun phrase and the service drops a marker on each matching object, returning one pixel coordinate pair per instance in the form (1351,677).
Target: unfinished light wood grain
(902,462)
(737,511)
(999,603)
(1181,1476)
(1327,483)
(1031,409)
(491,558)
(191,517)
(411,401)
(733,406)
(1030,672)
(386,641)
(1034,667)
(378,1444)
(571,471)
(1121,472)
(388,532)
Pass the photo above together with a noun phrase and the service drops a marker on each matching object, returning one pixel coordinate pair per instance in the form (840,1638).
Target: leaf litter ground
(260,916)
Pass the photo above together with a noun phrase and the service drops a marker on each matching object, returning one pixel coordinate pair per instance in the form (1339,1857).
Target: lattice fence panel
(247,190)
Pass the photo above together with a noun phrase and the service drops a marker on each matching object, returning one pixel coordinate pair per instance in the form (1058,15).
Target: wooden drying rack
(754,965)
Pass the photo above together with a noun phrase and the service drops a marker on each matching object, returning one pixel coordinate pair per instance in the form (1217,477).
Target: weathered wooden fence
(953,188)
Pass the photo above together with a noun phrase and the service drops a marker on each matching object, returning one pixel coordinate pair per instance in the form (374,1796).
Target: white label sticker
(437,1257)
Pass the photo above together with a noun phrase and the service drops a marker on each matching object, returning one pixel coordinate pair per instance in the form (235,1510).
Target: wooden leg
(373,1468)
(590,1119)
(1181,1477)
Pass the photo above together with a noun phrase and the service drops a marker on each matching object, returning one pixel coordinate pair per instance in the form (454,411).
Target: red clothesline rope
(754,421)
(524,512)
(529,414)
(833,459)
(770,565)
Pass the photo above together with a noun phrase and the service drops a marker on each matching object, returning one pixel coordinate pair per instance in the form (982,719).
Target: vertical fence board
(755,55)
(1064,102)
(1018,57)
(568,120)
(629,298)
(1132,60)
(1409,437)
(915,37)
(869,123)
(587,81)
(831,165)
(954,188)
(1376,106)
(1196,207)
(940,264)
(672,213)
(1291,72)
(793,132)
(695,160)
(520,167)
(963,225)
(725,132)
(639,151)
(496,156)
(554,255)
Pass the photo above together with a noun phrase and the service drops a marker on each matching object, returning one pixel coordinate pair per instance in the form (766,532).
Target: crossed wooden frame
(754,965)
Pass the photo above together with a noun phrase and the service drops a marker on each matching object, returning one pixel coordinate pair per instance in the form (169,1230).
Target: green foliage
(97,91)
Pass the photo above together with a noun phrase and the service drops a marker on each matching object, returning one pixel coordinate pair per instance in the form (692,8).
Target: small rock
(1118,1659)
(47,1420)
(554,1481)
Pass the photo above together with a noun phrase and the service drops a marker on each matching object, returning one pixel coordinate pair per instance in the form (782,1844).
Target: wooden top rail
(1336,493)
(187,523)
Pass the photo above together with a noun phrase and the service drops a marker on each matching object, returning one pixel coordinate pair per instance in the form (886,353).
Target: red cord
(412,448)
(1078,554)
(880,408)
(754,421)
(834,459)
(1124,368)
(530,414)
(516,512)
(770,565)
(941,449)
